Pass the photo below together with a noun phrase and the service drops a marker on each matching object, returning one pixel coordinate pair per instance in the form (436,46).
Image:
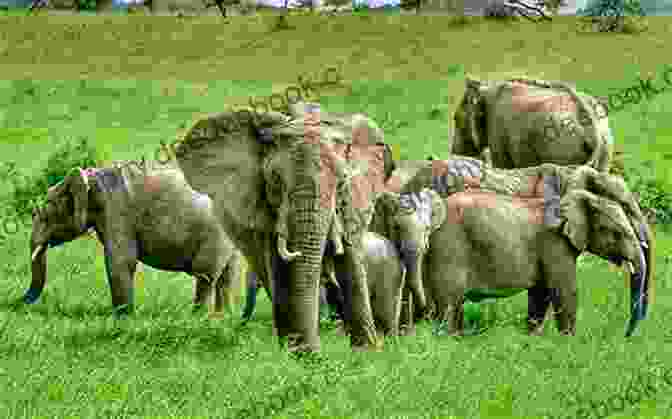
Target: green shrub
(86,5)
(655,192)
(30,190)
(625,16)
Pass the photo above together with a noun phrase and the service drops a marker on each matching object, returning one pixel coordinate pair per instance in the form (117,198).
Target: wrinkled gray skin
(488,127)
(491,241)
(265,175)
(148,214)
(409,220)
(385,276)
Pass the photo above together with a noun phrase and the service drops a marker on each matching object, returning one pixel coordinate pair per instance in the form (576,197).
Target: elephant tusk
(36,252)
(284,253)
(629,267)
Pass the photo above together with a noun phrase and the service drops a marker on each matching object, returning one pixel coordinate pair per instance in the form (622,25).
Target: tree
(613,15)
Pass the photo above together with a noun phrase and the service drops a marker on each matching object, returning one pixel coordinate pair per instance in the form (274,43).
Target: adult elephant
(141,211)
(525,228)
(274,181)
(524,122)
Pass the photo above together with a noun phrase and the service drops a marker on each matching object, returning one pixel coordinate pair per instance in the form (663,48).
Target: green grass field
(65,357)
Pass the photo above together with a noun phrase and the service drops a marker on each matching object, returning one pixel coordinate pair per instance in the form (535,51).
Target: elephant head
(408,220)
(65,218)
(600,215)
(274,175)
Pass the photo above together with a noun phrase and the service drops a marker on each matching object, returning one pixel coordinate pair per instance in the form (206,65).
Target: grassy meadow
(127,83)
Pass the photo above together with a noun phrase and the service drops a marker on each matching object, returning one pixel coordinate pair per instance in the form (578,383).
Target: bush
(496,9)
(625,16)
(655,192)
(29,191)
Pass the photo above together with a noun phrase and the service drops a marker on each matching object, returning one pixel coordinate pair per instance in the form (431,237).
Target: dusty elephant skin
(525,228)
(409,220)
(385,275)
(140,211)
(524,122)
(279,184)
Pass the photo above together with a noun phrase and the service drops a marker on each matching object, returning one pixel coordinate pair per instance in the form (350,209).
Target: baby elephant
(141,211)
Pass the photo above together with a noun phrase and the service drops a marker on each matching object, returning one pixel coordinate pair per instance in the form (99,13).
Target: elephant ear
(223,156)
(439,211)
(77,185)
(607,185)
(386,206)
(575,210)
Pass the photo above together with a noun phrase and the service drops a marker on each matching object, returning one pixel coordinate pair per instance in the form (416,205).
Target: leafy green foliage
(625,16)
(29,190)
(654,190)
(86,5)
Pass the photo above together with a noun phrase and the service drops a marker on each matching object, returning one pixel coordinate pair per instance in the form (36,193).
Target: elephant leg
(406,315)
(202,292)
(449,296)
(411,256)
(451,317)
(538,301)
(334,298)
(120,273)
(324,306)
(351,275)
(224,287)
(564,307)
(387,308)
(431,312)
(251,295)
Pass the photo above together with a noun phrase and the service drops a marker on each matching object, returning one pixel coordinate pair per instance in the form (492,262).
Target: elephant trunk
(641,279)
(412,258)
(38,254)
(309,222)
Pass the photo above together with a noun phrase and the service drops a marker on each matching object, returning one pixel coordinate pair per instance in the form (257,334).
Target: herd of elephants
(323,214)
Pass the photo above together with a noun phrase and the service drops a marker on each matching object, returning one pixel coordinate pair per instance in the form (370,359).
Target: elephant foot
(441,328)
(302,348)
(341,329)
(407,330)
(216,315)
(536,331)
(377,347)
(123,310)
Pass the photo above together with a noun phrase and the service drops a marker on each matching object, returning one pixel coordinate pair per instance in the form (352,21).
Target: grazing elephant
(525,228)
(523,122)
(280,182)
(385,275)
(141,211)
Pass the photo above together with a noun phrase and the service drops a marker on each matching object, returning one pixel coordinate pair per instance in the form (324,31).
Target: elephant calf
(141,211)
(386,281)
